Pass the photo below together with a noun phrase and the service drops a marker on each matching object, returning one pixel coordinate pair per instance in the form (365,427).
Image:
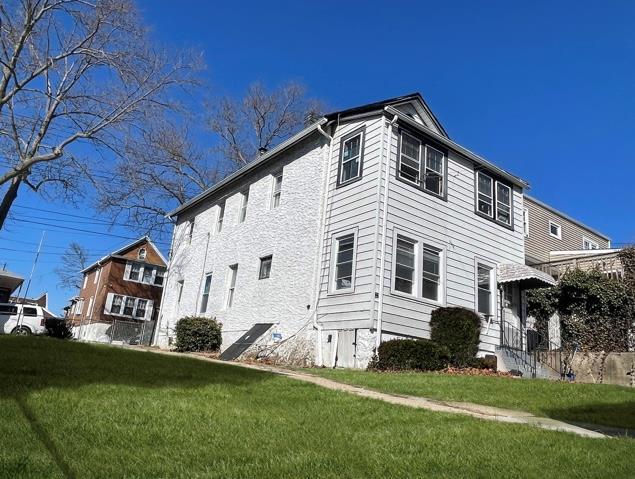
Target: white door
(345,349)
(512,316)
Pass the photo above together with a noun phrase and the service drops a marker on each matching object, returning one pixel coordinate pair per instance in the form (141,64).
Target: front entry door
(512,315)
(345,349)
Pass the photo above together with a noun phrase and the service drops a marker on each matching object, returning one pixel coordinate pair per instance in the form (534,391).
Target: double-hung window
(405,266)
(277,190)
(115,308)
(493,199)
(485,289)
(503,204)
(128,306)
(243,206)
(431,282)
(265,267)
(221,217)
(135,270)
(158,278)
(418,269)
(421,165)
(344,262)
(485,200)
(433,175)
(206,288)
(140,311)
(351,157)
(410,158)
(147,274)
(233,272)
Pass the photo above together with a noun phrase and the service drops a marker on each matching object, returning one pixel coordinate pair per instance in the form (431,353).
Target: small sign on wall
(276,337)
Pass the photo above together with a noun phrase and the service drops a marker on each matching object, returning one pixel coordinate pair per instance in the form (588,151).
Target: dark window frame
(425,141)
(359,131)
(495,181)
(263,260)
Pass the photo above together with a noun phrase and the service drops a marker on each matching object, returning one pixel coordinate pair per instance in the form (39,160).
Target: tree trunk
(9,198)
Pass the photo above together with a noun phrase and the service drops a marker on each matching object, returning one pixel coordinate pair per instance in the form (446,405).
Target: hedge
(459,330)
(410,354)
(194,333)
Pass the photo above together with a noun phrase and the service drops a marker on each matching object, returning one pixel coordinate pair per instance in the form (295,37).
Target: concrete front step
(522,361)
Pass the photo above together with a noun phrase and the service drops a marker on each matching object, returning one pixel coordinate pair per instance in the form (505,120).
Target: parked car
(23,319)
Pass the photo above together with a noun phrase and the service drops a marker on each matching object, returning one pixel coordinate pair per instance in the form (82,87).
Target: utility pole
(28,285)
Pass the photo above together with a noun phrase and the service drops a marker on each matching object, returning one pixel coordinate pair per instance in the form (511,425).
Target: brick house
(121,291)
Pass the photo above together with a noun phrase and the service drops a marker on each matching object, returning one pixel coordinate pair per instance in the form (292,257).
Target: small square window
(555,230)
(265,267)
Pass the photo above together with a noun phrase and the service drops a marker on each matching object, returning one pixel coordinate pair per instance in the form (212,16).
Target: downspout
(382,263)
(166,278)
(373,293)
(316,324)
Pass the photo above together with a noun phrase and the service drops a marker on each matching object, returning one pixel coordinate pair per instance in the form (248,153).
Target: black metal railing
(512,340)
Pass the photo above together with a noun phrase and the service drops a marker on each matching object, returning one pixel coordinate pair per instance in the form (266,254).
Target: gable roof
(123,250)
(380,107)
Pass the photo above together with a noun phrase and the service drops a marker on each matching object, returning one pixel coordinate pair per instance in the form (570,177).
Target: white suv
(29,317)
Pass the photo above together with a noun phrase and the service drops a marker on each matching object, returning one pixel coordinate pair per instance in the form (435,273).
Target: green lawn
(589,403)
(76,410)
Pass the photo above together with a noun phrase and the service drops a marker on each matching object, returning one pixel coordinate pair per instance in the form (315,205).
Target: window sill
(341,292)
(420,188)
(489,218)
(347,182)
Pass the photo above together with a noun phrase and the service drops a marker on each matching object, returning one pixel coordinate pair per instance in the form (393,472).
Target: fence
(116,331)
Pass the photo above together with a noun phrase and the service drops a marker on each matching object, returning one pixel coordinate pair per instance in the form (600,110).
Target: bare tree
(74,72)
(73,261)
(162,169)
(260,120)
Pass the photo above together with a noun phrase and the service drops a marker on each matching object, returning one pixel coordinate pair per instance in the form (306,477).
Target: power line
(42,252)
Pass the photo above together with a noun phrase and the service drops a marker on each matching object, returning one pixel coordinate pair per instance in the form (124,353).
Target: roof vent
(262,150)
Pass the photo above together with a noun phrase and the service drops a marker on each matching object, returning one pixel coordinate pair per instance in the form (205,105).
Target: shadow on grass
(616,419)
(30,364)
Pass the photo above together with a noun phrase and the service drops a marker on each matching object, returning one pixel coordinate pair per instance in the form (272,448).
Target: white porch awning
(527,276)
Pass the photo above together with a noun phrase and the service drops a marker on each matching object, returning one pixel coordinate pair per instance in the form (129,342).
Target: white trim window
(128,306)
(405,265)
(140,308)
(503,203)
(409,158)
(485,289)
(485,194)
(343,252)
(351,158)
(555,230)
(97,273)
(264,271)
(418,269)
(276,192)
(144,273)
(206,289)
(244,200)
(134,273)
(85,280)
(431,286)
(434,171)
(159,276)
(117,302)
(221,217)
(526,222)
(231,289)
(589,244)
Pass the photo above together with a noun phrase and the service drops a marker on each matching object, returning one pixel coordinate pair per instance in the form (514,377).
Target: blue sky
(543,89)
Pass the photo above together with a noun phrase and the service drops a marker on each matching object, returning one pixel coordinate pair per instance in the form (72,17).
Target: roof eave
(458,148)
(248,167)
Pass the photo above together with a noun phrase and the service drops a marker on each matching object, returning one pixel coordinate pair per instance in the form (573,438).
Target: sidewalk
(475,410)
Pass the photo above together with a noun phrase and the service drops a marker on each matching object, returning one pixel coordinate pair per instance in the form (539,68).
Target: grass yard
(76,410)
(590,403)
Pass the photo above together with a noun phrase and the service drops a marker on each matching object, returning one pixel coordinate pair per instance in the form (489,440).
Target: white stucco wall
(288,232)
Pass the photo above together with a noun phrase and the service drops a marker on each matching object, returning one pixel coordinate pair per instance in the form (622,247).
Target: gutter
(458,148)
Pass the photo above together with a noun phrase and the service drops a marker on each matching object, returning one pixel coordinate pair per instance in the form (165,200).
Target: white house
(350,233)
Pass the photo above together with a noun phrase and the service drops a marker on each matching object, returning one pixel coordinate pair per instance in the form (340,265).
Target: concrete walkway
(469,409)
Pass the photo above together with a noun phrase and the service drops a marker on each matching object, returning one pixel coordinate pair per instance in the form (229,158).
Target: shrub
(194,333)
(58,328)
(410,354)
(458,329)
